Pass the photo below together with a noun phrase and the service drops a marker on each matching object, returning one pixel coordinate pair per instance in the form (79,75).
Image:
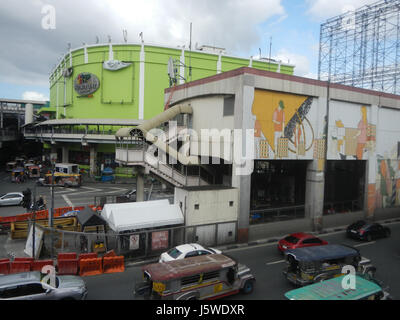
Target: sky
(34,34)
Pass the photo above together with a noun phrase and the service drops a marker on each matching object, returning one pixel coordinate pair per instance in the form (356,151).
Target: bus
(333,289)
(202,277)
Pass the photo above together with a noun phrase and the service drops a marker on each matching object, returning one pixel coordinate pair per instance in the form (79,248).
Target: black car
(362,230)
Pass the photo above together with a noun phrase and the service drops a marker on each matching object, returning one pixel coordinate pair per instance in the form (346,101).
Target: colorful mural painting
(282,125)
(354,140)
(388,183)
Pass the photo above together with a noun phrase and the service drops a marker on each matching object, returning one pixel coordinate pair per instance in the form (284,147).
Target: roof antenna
(125,35)
(141,36)
(97,39)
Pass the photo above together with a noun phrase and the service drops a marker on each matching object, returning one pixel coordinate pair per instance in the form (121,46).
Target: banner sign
(159,240)
(114,65)
(86,83)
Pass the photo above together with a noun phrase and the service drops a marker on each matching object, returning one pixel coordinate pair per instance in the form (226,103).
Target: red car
(299,240)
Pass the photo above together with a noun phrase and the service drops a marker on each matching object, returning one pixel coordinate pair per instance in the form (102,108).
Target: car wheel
(248,287)
(369,238)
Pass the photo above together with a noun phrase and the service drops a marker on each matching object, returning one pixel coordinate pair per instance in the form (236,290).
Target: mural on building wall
(355,140)
(388,183)
(282,126)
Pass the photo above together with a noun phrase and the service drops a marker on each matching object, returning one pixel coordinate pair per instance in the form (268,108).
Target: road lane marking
(274,262)
(70,204)
(364,244)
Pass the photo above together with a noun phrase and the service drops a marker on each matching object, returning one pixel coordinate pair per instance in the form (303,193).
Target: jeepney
(313,264)
(338,289)
(202,277)
(63,179)
(18,174)
(10,166)
(33,171)
(68,168)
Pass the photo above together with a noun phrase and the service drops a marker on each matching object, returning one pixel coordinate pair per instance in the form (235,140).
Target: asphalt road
(266,264)
(68,197)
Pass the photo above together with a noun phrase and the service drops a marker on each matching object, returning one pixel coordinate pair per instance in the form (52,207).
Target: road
(266,264)
(69,197)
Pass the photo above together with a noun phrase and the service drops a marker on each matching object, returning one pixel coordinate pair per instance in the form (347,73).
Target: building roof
(141,215)
(116,122)
(87,217)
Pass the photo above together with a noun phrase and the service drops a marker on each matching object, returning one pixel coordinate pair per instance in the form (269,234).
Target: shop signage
(86,83)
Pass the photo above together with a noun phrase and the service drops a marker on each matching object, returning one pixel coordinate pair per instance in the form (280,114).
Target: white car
(185,251)
(11,199)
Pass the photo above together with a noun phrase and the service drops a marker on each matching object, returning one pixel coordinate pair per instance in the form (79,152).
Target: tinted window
(358,224)
(203,252)
(31,289)
(291,239)
(174,253)
(312,241)
(192,254)
(8,293)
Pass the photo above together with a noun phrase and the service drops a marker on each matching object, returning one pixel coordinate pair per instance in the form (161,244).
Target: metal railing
(138,245)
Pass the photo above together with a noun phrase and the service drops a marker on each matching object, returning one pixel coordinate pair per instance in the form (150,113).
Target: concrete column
(65,154)
(139,185)
(314,203)
(241,172)
(92,161)
(371,170)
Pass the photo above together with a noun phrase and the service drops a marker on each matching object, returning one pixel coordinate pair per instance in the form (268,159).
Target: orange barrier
(68,255)
(90,267)
(79,208)
(4,266)
(110,253)
(5,260)
(87,256)
(113,264)
(20,266)
(30,260)
(67,266)
(39,264)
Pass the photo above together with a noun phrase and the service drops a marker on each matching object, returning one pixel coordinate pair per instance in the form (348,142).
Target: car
(29,286)
(299,240)
(363,230)
(186,251)
(11,199)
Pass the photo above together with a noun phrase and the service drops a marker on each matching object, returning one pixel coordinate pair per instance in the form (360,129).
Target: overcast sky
(28,51)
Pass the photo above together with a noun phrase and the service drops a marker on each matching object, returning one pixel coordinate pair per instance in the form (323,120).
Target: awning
(140,215)
(115,122)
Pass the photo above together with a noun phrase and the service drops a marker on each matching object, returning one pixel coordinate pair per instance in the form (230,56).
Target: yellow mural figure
(271,110)
(362,133)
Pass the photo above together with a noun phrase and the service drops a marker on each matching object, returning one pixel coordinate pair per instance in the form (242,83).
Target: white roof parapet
(122,122)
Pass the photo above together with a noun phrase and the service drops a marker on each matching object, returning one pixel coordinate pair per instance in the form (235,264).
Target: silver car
(28,286)
(11,199)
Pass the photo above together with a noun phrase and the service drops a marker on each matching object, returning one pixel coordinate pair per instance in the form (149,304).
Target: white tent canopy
(140,215)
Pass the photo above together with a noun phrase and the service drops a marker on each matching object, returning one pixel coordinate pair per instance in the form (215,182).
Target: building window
(196,207)
(229,104)
(231,203)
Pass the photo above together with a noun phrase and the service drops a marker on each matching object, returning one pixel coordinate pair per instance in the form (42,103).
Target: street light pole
(51,213)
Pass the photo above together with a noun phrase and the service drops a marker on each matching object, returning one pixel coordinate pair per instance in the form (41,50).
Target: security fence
(136,245)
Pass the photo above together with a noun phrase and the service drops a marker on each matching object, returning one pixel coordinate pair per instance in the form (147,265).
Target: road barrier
(67,266)
(87,256)
(4,266)
(90,267)
(113,264)
(20,266)
(110,253)
(39,264)
(68,255)
(27,259)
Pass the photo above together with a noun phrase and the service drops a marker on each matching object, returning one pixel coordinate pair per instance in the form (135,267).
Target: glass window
(291,239)
(174,253)
(31,289)
(192,254)
(229,104)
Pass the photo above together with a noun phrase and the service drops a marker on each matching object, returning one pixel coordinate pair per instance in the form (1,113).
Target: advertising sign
(159,240)
(134,242)
(86,83)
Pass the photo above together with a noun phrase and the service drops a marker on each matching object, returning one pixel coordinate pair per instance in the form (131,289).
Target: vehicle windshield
(174,253)
(359,224)
(291,239)
(209,249)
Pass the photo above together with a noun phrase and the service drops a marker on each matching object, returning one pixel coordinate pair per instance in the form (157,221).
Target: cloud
(32,51)
(33,95)
(301,62)
(325,9)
